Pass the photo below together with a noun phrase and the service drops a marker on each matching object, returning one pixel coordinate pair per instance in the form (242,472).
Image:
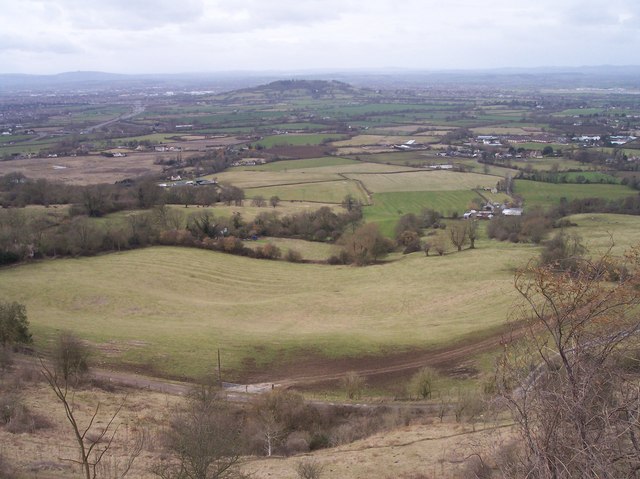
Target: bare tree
(93,442)
(572,387)
(258,201)
(353,385)
(458,234)
(203,439)
(274,201)
(472,232)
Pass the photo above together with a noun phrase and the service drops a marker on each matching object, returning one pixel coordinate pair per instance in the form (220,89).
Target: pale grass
(249,212)
(439,450)
(84,170)
(362,140)
(424,181)
(321,192)
(257,178)
(143,411)
(505,130)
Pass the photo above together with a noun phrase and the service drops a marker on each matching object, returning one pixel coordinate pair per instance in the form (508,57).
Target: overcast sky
(178,36)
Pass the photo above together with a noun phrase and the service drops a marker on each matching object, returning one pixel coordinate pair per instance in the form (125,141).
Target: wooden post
(219,370)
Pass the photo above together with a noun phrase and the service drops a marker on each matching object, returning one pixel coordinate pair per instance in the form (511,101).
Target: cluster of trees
(98,200)
(564,177)
(24,235)
(322,224)
(531,227)
(410,229)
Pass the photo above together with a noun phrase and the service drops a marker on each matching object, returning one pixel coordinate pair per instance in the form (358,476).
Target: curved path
(366,367)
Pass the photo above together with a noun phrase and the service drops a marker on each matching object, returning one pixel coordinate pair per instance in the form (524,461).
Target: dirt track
(317,371)
(380,368)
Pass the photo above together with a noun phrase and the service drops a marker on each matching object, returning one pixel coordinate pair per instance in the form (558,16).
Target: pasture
(423,181)
(388,207)
(167,310)
(549,194)
(302,171)
(321,192)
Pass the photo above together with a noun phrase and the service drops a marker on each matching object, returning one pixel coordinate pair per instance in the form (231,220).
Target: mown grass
(169,309)
(308,173)
(549,194)
(323,192)
(423,181)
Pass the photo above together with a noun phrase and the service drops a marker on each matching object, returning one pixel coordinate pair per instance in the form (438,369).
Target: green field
(388,207)
(549,194)
(168,309)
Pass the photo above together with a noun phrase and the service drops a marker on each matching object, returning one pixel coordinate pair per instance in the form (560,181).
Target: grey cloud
(130,14)
(248,15)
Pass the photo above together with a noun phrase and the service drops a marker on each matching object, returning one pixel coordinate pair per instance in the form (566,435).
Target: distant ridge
(602,76)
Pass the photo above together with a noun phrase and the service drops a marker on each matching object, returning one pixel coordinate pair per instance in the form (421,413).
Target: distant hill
(296,88)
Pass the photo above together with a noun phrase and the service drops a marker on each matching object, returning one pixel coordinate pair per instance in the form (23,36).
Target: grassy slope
(170,308)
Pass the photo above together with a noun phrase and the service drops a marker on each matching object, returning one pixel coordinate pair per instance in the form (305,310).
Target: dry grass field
(364,140)
(426,445)
(84,170)
(423,181)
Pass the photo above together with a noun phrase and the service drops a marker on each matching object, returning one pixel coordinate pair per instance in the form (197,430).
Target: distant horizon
(329,70)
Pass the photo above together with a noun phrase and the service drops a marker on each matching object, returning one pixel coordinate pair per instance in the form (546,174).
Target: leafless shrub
(476,468)
(6,470)
(309,469)
(297,442)
(577,409)
(17,417)
(353,385)
(422,383)
(203,439)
